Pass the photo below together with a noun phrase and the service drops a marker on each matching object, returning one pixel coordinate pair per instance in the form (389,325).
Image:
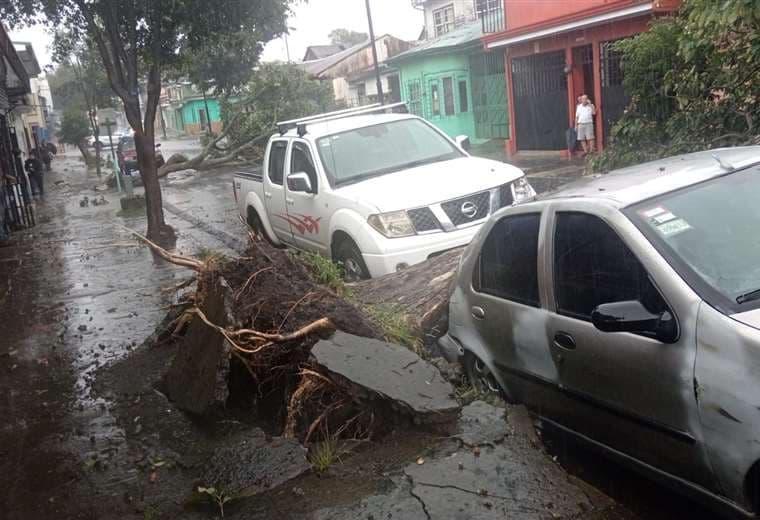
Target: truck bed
(254,174)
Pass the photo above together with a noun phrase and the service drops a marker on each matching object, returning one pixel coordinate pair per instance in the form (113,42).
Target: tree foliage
(75,129)
(694,81)
(276,92)
(138,40)
(346,37)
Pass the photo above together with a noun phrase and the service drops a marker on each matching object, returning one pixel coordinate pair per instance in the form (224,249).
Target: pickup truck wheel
(254,222)
(354,269)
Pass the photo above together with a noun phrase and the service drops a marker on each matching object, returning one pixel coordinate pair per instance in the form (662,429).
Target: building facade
(16,211)
(186,110)
(351,71)
(558,50)
(448,78)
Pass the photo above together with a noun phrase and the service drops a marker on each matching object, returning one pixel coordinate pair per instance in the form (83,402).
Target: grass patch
(394,326)
(325,271)
(325,453)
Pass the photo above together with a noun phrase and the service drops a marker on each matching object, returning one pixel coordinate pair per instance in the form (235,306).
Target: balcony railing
(493,20)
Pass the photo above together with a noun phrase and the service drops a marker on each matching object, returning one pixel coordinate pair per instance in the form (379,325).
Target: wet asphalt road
(77,292)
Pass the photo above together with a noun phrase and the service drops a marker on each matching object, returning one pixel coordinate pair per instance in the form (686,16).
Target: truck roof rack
(300,124)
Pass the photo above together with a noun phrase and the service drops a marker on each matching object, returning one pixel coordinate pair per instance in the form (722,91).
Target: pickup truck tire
(254,221)
(347,254)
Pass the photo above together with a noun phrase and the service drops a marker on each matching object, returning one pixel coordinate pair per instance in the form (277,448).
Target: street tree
(346,37)
(80,83)
(75,129)
(275,92)
(139,40)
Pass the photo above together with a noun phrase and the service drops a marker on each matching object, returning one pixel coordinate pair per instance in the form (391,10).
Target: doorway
(583,72)
(539,84)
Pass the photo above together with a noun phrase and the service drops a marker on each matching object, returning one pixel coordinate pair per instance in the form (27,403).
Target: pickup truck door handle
(564,341)
(268,194)
(478,313)
(289,201)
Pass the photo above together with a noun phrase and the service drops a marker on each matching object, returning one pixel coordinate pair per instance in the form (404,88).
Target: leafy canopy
(276,92)
(74,127)
(346,37)
(694,81)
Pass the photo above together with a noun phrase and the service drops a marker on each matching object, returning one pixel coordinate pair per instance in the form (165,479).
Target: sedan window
(593,266)
(508,261)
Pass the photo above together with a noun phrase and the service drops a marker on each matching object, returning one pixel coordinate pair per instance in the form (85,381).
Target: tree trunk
(420,293)
(146,162)
(97,150)
(82,145)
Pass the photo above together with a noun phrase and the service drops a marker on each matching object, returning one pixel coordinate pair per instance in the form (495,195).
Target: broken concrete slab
(398,504)
(369,368)
(481,423)
(197,380)
(496,482)
(255,463)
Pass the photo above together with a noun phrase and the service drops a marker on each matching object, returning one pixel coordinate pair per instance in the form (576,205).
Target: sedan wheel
(480,375)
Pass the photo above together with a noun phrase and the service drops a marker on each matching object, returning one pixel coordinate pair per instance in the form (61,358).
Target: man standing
(33,167)
(584,124)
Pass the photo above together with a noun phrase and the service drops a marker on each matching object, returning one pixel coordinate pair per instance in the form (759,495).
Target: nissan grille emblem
(469,209)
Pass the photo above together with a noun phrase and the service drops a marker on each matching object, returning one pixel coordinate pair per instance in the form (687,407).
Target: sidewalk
(77,292)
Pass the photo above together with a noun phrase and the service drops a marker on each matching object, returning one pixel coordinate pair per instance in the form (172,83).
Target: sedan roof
(630,185)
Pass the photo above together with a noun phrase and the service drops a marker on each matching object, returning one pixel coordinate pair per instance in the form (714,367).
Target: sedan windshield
(384,148)
(709,233)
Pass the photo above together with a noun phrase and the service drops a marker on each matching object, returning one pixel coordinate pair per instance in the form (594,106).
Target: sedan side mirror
(632,316)
(299,182)
(463,141)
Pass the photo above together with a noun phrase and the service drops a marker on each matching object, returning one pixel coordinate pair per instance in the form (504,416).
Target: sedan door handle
(564,340)
(478,313)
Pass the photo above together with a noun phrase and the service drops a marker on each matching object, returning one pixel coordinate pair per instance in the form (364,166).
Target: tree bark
(85,153)
(420,293)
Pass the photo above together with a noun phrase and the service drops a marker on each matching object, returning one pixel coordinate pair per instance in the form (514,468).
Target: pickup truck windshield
(708,233)
(379,149)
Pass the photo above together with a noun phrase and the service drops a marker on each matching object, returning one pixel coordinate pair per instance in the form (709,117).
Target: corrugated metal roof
(323,51)
(317,67)
(465,34)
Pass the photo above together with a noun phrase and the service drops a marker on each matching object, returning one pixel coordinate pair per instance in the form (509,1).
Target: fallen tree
(275,92)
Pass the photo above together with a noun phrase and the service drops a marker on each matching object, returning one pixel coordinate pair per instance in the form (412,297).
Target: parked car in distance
(624,309)
(126,153)
(376,192)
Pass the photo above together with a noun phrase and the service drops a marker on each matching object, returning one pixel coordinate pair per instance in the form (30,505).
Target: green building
(186,111)
(454,84)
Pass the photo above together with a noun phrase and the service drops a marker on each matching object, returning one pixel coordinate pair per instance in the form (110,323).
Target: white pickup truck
(374,191)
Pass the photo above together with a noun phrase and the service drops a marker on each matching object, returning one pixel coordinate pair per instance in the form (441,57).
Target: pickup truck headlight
(392,225)
(522,190)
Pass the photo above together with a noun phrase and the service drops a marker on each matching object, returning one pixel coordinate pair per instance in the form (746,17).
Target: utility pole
(208,116)
(380,96)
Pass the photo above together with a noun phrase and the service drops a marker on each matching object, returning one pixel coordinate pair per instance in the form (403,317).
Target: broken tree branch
(184,261)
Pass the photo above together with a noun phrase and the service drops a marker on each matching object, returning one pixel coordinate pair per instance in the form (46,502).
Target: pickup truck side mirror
(463,141)
(632,316)
(300,182)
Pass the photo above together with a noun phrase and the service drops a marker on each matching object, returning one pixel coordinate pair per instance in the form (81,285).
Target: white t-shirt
(584,113)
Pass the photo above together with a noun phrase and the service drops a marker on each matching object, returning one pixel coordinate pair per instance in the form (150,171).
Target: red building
(556,50)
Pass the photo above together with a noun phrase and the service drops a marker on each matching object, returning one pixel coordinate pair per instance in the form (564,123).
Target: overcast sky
(310,24)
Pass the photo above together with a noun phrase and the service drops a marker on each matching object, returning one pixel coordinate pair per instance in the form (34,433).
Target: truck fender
(252,200)
(352,224)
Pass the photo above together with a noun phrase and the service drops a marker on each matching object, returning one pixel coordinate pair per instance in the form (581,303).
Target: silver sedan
(624,310)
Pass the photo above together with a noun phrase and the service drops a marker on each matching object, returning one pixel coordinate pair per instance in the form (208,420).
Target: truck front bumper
(400,253)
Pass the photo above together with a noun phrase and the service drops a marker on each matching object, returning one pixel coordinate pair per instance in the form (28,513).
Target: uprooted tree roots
(279,314)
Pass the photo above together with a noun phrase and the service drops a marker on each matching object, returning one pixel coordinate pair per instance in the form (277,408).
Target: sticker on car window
(673,227)
(652,212)
(664,217)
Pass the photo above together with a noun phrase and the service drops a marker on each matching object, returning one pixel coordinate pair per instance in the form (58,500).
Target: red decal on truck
(303,223)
